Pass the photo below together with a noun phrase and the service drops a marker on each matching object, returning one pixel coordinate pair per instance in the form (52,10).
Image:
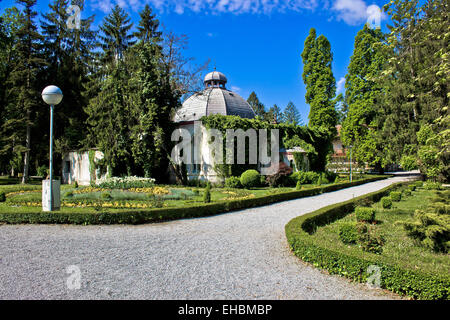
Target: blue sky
(255,43)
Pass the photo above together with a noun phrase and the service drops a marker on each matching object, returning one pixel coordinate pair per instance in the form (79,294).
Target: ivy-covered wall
(319,139)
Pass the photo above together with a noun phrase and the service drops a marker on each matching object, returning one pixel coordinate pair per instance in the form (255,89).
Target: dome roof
(215,76)
(214,100)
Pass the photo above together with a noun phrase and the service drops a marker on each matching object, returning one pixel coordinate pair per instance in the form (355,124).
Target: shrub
(207,193)
(412,187)
(369,239)
(127,183)
(75,185)
(430,229)
(282,177)
(308,177)
(250,179)
(418,184)
(319,182)
(432,185)
(262,181)
(298,186)
(386,202)
(407,192)
(2,196)
(348,233)
(440,208)
(396,196)
(336,180)
(42,171)
(365,214)
(105,196)
(233,182)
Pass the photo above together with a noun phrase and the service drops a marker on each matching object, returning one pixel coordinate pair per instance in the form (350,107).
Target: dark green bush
(348,233)
(75,185)
(369,239)
(386,202)
(233,182)
(365,214)
(396,196)
(418,184)
(308,177)
(2,196)
(412,187)
(250,179)
(207,194)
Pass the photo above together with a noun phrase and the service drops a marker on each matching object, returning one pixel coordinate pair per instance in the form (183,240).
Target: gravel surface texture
(238,255)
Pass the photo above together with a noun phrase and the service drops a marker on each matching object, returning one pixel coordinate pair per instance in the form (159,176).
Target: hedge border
(131,216)
(411,283)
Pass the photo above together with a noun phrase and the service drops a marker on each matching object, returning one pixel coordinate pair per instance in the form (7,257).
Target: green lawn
(399,249)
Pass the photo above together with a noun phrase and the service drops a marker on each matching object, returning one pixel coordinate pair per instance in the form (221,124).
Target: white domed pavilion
(214,99)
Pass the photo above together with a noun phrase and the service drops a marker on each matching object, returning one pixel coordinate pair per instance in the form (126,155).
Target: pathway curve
(239,255)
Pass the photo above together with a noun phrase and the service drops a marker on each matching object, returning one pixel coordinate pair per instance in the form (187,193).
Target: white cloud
(354,12)
(340,85)
(235,89)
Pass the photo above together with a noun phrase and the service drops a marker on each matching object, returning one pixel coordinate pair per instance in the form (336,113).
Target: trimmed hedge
(131,216)
(396,196)
(386,202)
(365,214)
(412,283)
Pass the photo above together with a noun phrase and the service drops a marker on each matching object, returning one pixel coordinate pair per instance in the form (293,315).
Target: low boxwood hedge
(412,283)
(140,216)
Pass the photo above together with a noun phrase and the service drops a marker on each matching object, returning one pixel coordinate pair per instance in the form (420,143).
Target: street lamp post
(51,95)
(350,146)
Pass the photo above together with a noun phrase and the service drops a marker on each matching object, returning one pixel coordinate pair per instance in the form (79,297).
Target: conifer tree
(320,82)
(291,115)
(256,105)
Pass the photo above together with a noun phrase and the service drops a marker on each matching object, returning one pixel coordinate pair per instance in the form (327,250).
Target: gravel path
(239,255)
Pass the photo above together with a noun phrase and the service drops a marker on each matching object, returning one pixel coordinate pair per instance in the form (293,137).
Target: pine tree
(256,105)
(148,28)
(362,89)
(23,87)
(116,36)
(320,82)
(291,115)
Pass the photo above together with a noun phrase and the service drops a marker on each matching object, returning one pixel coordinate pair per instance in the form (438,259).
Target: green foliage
(207,194)
(106,196)
(386,202)
(409,163)
(256,105)
(2,196)
(75,185)
(308,177)
(320,82)
(430,229)
(298,186)
(291,115)
(407,192)
(396,196)
(281,178)
(366,214)
(418,184)
(250,179)
(413,283)
(127,183)
(68,194)
(233,182)
(429,185)
(369,239)
(412,187)
(42,171)
(348,233)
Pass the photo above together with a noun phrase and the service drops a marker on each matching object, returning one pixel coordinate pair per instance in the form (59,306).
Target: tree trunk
(26,159)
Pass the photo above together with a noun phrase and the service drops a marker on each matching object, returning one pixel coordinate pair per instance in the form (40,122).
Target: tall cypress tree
(320,82)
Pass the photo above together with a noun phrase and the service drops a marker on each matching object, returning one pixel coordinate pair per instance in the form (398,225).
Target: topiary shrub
(348,233)
(412,187)
(365,214)
(386,202)
(418,184)
(430,229)
(2,196)
(207,193)
(432,185)
(233,182)
(407,192)
(369,238)
(250,179)
(396,196)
